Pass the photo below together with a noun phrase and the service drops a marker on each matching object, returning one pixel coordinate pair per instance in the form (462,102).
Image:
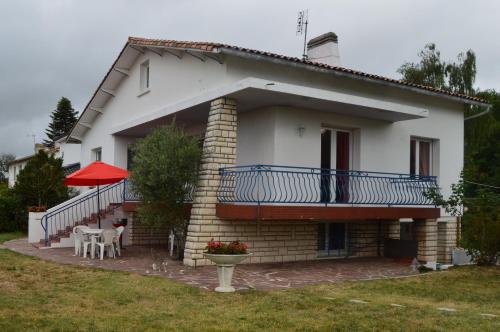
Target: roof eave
(262,57)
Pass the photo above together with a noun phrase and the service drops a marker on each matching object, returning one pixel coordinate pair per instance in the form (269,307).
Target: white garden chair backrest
(79,227)
(78,231)
(107,236)
(119,231)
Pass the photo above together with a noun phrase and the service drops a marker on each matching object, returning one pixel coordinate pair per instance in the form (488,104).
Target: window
(421,156)
(97,154)
(145,76)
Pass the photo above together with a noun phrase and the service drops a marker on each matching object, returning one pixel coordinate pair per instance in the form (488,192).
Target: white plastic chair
(79,238)
(119,231)
(107,241)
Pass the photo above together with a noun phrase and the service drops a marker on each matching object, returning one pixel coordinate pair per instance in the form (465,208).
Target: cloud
(54,48)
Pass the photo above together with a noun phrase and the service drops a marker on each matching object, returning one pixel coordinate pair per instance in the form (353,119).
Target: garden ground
(41,295)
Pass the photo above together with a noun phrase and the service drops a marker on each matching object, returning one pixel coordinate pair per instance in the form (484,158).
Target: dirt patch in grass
(41,295)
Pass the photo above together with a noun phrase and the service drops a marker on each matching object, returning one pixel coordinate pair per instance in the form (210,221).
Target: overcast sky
(54,48)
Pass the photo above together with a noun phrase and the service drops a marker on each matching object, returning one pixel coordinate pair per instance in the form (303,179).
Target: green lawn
(10,236)
(39,295)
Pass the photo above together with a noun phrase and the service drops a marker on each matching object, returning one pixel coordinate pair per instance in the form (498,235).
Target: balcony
(284,192)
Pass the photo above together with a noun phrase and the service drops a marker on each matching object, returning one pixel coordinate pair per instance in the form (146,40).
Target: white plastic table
(94,233)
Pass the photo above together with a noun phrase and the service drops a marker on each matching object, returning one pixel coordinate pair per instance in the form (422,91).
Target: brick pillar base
(219,150)
(426,234)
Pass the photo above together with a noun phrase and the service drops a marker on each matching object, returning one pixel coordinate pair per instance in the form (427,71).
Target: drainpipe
(488,110)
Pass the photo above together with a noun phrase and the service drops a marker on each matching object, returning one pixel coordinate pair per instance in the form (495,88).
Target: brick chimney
(324,49)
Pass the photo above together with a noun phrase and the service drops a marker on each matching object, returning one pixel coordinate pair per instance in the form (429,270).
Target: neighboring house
(68,151)
(303,159)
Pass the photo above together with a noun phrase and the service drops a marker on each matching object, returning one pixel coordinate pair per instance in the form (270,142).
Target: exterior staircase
(64,237)
(58,222)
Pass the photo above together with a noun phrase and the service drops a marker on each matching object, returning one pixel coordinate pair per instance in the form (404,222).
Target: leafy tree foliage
(164,171)
(12,216)
(5,159)
(456,76)
(63,118)
(481,227)
(40,182)
(480,221)
(482,146)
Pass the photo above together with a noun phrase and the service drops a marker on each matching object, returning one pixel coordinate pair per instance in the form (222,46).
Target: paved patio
(247,276)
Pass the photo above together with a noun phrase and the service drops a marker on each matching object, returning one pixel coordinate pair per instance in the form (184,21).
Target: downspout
(488,110)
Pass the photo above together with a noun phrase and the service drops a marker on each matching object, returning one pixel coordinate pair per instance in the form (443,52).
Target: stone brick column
(219,150)
(425,231)
(446,239)
(393,229)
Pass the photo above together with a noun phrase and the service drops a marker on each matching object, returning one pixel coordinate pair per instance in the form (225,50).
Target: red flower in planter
(219,248)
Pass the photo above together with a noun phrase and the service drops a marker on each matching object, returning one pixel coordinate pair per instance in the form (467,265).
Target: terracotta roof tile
(208,46)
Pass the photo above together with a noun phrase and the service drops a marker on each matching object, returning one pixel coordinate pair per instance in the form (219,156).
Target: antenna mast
(34,140)
(302,22)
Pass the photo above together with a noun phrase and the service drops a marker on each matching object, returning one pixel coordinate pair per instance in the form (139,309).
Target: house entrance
(336,150)
(332,239)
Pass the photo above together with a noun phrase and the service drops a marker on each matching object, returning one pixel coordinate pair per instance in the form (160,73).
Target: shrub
(12,216)
(481,227)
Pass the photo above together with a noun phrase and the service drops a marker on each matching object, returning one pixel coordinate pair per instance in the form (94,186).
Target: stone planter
(225,268)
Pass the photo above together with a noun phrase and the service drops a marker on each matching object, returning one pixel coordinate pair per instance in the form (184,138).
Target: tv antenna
(302,22)
(34,139)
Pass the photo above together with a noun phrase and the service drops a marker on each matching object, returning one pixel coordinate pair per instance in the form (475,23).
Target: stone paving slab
(140,259)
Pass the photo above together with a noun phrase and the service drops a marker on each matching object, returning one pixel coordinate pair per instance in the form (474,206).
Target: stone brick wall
(140,234)
(367,238)
(446,239)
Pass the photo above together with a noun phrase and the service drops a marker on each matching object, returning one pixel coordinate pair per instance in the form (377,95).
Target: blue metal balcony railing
(284,184)
(130,195)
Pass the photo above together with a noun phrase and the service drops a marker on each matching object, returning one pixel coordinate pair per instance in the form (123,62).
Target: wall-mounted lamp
(300,130)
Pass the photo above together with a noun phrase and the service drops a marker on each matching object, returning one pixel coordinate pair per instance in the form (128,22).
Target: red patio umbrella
(96,174)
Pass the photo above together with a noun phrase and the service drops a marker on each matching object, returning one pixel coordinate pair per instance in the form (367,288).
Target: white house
(68,151)
(303,159)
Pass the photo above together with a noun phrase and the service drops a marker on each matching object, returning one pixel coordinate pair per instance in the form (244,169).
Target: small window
(97,154)
(421,154)
(145,76)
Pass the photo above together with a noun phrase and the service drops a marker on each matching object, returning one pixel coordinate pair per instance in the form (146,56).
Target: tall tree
(164,171)
(5,159)
(40,182)
(456,76)
(63,118)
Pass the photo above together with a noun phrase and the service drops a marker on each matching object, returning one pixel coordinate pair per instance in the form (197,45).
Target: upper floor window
(421,156)
(97,154)
(145,76)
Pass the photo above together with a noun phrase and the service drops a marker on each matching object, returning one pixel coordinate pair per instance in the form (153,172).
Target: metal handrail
(288,184)
(72,211)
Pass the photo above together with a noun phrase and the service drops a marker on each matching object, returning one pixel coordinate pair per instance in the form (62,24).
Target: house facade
(69,152)
(302,159)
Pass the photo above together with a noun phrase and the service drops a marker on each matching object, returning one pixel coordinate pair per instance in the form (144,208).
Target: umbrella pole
(98,208)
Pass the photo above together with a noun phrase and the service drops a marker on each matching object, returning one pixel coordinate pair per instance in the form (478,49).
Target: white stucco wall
(256,137)
(69,152)
(14,169)
(171,80)
(379,146)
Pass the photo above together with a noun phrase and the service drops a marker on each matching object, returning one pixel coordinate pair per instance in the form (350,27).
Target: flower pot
(225,268)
